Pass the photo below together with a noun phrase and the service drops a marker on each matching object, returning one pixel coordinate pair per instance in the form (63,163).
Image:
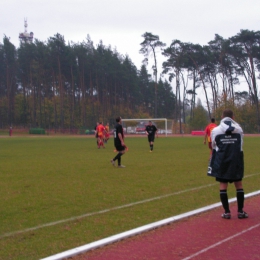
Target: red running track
(203,236)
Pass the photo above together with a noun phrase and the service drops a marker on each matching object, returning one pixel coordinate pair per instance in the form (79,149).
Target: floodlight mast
(148,119)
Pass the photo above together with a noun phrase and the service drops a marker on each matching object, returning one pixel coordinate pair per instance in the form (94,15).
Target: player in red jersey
(100,132)
(107,132)
(208,130)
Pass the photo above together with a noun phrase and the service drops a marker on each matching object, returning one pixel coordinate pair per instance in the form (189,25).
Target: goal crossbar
(147,119)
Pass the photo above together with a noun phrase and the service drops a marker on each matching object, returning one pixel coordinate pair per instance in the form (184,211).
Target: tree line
(57,85)
(218,68)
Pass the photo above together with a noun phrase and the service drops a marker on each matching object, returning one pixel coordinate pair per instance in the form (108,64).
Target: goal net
(137,125)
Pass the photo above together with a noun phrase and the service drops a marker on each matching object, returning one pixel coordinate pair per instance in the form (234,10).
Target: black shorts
(227,180)
(120,148)
(150,138)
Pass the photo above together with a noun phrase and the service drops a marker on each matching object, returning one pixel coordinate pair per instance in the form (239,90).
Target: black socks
(240,200)
(118,157)
(224,200)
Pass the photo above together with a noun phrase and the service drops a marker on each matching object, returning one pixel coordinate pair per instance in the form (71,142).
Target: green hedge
(37,131)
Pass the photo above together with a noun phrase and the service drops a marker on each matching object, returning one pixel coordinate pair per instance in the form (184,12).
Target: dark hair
(212,120)
(118,119)
(228,113)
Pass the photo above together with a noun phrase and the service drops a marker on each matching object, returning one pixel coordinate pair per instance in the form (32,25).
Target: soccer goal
(137,125)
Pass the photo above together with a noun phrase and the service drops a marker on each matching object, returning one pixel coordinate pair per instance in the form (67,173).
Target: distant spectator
(10,131)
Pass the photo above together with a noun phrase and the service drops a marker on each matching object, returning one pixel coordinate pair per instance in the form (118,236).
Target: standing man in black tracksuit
(151,130)
(227,163)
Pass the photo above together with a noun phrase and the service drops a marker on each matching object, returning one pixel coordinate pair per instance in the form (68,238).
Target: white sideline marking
(104,211)
(220,242)
(100,212)
(136,231)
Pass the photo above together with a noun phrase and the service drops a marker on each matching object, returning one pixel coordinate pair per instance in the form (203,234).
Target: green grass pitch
(58,193)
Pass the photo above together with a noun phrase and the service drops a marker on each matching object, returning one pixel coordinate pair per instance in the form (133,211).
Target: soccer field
(62,192)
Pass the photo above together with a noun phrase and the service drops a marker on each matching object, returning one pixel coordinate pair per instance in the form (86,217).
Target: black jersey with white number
(118,129)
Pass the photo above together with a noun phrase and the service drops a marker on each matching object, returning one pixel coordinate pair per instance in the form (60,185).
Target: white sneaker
(113,162)
(121,166)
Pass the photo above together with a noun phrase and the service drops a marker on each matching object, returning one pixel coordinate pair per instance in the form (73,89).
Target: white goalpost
(145,120)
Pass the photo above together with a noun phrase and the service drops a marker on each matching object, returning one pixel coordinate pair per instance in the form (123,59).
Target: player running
(151,130)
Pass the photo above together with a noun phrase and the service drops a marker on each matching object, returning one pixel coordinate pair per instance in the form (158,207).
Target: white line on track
(220,242)
(136,231)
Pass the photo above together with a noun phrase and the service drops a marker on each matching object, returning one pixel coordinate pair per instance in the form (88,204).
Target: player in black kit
(119,142)
(151,130)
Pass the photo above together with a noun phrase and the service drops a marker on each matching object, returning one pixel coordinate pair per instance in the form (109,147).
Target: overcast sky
(121,23)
